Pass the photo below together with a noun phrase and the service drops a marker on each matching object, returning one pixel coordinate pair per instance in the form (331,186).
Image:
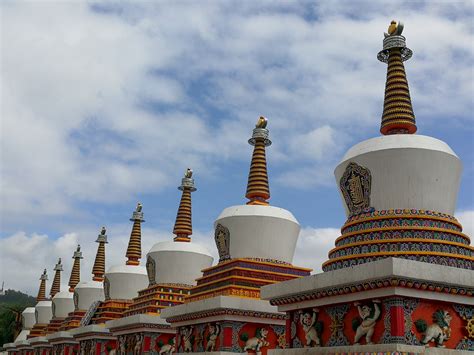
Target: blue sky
(106,104)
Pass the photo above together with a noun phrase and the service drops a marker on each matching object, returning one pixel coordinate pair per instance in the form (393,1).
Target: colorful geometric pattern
(410,234)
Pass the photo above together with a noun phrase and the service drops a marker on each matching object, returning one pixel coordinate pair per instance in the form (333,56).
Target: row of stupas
(399,280)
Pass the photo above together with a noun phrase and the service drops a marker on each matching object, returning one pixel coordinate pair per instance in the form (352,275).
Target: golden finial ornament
(261,122)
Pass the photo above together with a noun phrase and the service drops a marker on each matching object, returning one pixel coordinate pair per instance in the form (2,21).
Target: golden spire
(398,116)
(56,286)
(258,191)
(98,269)
(134,250)
(183,227)
(76,269)
(42,289)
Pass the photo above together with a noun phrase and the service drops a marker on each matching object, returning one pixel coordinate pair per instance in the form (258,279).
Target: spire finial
(258,190)
(134,249)
(42,289)
(398,116)
(76,269)
(183,227)
(56,286)
(98,270)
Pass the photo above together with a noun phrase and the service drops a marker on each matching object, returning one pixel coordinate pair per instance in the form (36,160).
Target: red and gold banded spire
(56,286)
(258,190)
(397,116)
(183,227)
(98,270)
(76,269)
(134,249)
(42,289)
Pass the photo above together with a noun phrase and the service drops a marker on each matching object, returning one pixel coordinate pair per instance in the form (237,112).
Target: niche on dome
(151,270)
(222,238)
(355,185)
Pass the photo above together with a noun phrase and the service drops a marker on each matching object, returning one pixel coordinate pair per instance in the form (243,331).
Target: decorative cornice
(226,311)
(372,285)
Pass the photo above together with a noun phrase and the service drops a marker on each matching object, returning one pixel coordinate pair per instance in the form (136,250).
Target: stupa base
(225,324)
(63,343)
(94,339)
(143,333)
(387,302)
(41,346)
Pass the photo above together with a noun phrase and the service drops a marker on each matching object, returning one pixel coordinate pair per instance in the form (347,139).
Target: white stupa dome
(408,171)
(177,262)
(62,304)
(262,232)
(43,312)
(86,293)
(122,282)
(28,317)
(28,321)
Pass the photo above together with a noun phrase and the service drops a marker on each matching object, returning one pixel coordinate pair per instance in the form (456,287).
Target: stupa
(62,301)
(89,294)
(172,267)
(256,243)
(43,309)
(400,278)
(121,285)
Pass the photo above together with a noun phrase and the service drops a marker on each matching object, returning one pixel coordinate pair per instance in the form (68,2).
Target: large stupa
(400,278)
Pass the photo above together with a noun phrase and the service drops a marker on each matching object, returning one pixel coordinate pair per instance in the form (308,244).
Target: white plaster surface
(219,302)
(266,232)
(369,271)
(23,334)
(126,281)
(63,304)
(179,262)
(28,318)
(92,328)
(44,312)
(59,335)
(408,171)
(38,341)
(88,292)
(136,319)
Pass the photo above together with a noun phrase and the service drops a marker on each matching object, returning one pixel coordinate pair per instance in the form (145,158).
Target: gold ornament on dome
(355,185)
(395,28)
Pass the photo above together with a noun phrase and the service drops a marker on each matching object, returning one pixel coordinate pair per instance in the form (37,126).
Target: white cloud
(466,218)
(313,247)
(101,106)
(24,256)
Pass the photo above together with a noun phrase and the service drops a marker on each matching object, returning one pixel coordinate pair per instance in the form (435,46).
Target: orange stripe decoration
(55,287)
(397,116)
(258,190)
(76,269)
(42,289)
(98,269)
(183,226)
(134,249)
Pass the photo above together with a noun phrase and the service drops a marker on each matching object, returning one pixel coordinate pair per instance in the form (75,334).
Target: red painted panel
(397,325)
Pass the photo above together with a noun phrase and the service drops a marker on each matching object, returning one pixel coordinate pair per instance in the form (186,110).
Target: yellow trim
(396,228)
(358,256)
(246,269)
(400,240)
(222,288)
(257,262)
(238,278)
(396,216)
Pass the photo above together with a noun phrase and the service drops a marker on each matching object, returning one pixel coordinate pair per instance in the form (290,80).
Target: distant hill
(12,304)
(17,297)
